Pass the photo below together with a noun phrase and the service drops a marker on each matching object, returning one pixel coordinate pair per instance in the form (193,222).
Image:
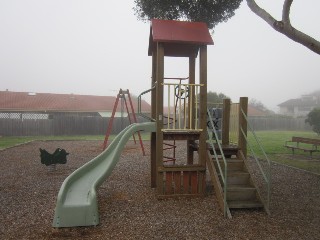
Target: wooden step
(241,193)
(245,204)
(238,177)
(233,164)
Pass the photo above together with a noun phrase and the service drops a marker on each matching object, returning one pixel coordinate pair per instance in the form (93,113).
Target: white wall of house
(296,111)
(117,114)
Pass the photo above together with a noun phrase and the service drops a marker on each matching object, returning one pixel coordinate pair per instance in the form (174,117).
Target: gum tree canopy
(209,11)
(215,11)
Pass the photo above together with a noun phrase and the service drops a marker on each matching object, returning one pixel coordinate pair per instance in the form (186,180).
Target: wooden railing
(182,104)
(234,123)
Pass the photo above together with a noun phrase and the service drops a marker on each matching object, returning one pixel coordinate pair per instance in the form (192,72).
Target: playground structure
(186,122)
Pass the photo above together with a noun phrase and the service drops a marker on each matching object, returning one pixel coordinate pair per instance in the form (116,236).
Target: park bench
(306,144)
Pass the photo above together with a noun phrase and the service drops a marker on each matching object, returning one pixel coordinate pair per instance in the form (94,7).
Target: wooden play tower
(186,121)
(179,120)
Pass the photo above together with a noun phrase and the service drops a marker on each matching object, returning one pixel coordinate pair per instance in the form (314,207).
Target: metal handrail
(139,104)
(223,175)
(266,176)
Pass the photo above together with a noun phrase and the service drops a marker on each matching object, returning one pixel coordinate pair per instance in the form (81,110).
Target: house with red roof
(255,112)
(30,113)
(43,105)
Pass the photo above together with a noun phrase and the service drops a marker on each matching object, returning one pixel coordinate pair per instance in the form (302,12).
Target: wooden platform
(181,134)
(228,150)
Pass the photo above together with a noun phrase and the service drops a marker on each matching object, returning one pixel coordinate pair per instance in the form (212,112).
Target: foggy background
(97,47)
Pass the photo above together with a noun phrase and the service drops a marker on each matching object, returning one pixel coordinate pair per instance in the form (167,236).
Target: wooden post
(203,105)
(226,121)
(191,105)
(202,115)
(243,104)
(159,115)
(153,115)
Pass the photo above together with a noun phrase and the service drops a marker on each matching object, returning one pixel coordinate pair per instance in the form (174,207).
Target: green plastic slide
(77,199)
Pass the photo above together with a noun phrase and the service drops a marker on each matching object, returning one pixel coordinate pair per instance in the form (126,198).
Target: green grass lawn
(273,143)
(6,142)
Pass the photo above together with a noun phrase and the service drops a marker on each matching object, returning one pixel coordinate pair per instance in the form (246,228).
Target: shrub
(313,118)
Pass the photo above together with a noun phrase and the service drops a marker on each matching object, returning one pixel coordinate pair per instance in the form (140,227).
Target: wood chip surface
(129,208)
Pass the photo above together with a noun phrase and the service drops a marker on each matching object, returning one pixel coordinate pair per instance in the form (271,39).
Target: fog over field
(97,47)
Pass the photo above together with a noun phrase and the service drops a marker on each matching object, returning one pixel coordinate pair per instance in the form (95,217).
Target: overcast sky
(97,47)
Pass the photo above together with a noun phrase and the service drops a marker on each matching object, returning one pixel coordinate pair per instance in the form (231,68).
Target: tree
(215,11)
(213,97)
(313,118)
(284,26)
(211,12)
(257,104)
(260,106)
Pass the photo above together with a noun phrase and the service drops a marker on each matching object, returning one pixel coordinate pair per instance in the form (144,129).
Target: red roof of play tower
(180,38)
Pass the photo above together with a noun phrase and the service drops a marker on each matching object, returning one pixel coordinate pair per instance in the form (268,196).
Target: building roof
(300,102)
(180,38)
(50,102)
(254,112)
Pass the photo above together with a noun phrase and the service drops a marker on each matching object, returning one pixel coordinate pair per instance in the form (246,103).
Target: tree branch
(286,11)
(284,26)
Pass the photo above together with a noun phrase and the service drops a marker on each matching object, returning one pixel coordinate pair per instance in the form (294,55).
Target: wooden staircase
(241,191)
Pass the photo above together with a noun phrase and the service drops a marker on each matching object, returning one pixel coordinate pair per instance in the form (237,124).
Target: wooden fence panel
(64,125)
(79,125)
(75,125)
(279,123)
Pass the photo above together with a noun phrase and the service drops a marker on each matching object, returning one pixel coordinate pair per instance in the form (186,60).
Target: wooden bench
(305,144)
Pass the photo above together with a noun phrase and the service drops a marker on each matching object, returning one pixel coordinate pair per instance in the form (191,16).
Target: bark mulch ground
(128,206)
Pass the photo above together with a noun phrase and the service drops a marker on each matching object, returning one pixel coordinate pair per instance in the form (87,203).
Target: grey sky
(96,47)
